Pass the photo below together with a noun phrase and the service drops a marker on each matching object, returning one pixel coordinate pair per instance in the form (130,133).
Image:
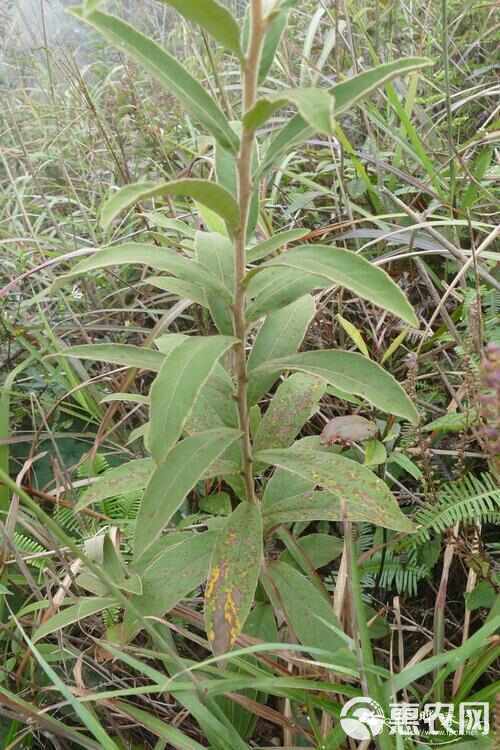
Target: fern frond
(67,519)
(27,546)
(469,500)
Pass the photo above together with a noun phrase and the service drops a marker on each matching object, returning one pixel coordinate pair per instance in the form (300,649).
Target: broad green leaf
(209,194)
(117,354)
(160,258)
(354,333)
(218,504)
(277,241)
(275,288)
(74,613)
(315,105)
(346,94)
(281,333)
(130,477)
(282,485)
(171,575)
(215,253)
(176,387)
(352,373)
(402,460)
(361,489)
(307,507)
(375,453)
(212,17)
(318,550)
(185,465)
(307,611)
(234,572)
(294,402)
(345,268)
(183,289)
(165,68)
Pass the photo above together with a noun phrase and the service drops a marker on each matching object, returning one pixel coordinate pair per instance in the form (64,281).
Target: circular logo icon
(362,718)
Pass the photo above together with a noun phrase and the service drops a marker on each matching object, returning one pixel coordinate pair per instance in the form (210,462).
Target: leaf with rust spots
(234,572)
(294,402)
(364,493)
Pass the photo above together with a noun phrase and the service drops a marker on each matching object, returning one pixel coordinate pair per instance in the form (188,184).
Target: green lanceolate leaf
(173,479)
(294,402)
(176,387)
(266,247)
(353,374)
(234,572)
(69,615)
(345,268)
(309,506)
(308,612)
(346,94)
(175,572)
(315,105)
(160,258)
(361,489)
(281,333)
(183,289)
(271,43)
(117,354)
(212,17)
(209,194)
(130,477)
(276,287)
(171,74)
(215,253)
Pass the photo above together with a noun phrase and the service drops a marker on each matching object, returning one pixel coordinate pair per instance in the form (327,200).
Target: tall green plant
(205,418)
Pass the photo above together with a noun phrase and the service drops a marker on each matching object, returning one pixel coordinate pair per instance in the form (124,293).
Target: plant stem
(250,75)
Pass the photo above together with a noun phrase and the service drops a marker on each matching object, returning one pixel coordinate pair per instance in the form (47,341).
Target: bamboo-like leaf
(160,258)
(266,247)
(281,333)
(308,612)
(315,105)
(185,465)
(345,268)
(361,489)
(234,572)
(210,194)
(74,613)
(177,386)
(352,373)
(117,354)
(346,94)
(212,17)
(130,477)
(294,402)
(165,68)
(175,572)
